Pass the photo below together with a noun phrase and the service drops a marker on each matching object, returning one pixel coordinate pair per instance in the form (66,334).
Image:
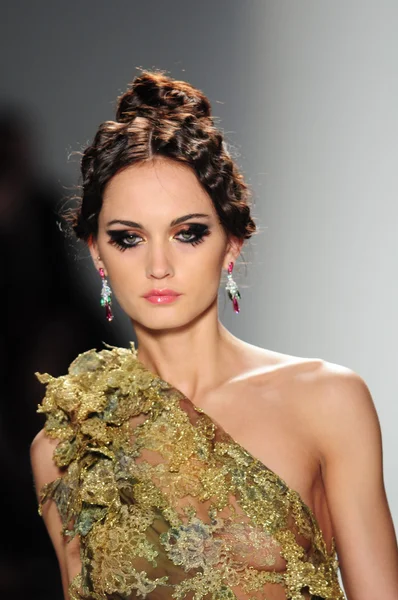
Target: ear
(94,251)
(232,251)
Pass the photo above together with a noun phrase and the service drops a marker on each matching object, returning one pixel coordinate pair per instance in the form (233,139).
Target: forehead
(155,189)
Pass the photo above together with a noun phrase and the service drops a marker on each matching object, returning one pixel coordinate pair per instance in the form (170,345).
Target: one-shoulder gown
(166,505)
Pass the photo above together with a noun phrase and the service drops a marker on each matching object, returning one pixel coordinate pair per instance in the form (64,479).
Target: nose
(158,262)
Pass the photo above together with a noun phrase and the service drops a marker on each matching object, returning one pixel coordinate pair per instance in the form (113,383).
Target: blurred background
(307,96)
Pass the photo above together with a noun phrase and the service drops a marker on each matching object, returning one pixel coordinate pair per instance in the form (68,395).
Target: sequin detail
(165,503)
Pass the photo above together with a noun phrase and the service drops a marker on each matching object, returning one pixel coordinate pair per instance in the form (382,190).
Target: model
(195,465)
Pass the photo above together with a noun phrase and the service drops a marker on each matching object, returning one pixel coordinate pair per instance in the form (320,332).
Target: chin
(165,317)
(168,316)
(162,322)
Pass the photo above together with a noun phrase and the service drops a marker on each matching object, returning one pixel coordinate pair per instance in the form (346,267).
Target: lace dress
(164,502)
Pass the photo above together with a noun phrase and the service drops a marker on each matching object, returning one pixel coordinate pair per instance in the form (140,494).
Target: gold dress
(165,503)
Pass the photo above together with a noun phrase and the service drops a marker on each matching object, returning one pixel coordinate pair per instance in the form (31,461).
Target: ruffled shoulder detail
(88,411)
(71,398)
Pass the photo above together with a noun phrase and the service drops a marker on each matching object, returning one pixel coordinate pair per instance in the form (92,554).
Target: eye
(195,233)
(123,240)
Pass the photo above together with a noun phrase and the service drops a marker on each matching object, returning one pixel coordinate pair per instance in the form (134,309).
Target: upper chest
(272,417)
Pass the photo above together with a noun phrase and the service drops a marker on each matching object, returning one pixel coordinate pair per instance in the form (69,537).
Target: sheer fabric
(164,502)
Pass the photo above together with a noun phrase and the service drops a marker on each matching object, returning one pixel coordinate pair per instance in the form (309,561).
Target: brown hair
(162,117)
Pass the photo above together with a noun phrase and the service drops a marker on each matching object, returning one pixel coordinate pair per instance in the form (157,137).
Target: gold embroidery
(166,504)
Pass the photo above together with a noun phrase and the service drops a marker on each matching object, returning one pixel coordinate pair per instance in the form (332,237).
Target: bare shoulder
(331,391)
(256,364)
(340,409)
(329,387)
(341,393)
(333,380)
(329,401)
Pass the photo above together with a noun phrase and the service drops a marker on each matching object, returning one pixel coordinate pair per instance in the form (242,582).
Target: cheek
(126,276)
(204,271)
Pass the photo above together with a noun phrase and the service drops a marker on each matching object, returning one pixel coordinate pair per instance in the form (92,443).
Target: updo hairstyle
(162,117)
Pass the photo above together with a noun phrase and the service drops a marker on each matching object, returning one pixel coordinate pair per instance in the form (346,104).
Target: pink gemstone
(230,267)
(235,305)
(108,312)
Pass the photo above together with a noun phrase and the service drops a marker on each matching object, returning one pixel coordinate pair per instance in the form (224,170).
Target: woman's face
(141,249)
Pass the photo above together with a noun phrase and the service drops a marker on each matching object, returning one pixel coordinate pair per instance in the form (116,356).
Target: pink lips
(161,296)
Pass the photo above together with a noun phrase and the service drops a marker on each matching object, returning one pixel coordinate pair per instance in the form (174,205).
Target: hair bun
(155,92)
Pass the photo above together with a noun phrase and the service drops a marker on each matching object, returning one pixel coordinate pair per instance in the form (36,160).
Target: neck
(193,359)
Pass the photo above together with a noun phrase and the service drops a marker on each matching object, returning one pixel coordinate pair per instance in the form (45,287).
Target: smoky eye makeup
(190,233)
(122,239)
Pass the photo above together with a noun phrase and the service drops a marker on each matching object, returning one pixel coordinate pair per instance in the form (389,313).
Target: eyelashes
(195,234)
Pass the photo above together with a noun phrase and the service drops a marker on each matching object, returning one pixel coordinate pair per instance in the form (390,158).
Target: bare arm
(352,468)
(45,471)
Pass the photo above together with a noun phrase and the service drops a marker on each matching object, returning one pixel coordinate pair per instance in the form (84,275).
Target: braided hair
(156,117)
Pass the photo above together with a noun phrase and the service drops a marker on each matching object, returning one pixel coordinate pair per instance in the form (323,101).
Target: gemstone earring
(106,295)
(232,288)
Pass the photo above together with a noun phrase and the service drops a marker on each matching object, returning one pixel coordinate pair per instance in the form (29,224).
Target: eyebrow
(172,224)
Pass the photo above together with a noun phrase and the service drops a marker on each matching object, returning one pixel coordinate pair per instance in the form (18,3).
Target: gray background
(307,94)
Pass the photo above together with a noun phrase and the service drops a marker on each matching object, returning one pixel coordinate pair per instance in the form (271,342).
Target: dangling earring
(106,295)
(232,289)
